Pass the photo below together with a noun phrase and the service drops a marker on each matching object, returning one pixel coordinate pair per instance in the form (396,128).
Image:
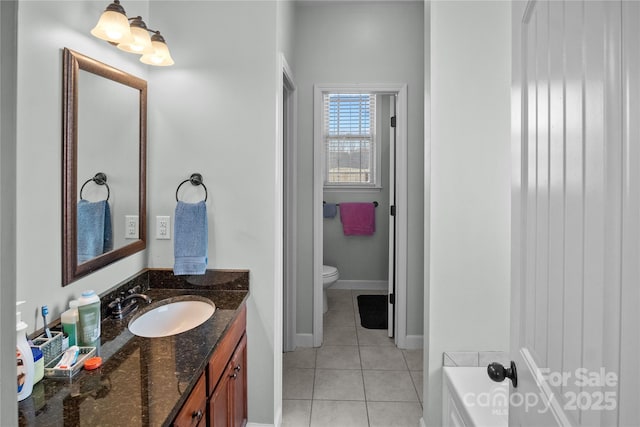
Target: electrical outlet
(163,227)
(131,227)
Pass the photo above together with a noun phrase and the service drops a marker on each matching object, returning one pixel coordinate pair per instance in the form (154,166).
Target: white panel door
(391,311)
(576,214)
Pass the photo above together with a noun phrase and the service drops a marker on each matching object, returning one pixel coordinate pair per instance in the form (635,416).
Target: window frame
(376,153)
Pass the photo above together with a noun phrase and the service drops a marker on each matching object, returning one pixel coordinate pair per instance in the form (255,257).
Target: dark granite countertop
(142,381)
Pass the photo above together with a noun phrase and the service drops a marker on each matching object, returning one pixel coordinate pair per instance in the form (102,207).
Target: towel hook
(99,179)
(194,179)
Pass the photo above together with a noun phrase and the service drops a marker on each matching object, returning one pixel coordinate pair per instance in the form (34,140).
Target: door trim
(401,205)
(289,131)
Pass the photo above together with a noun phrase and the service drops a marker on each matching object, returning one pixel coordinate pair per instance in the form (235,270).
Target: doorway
(397,211)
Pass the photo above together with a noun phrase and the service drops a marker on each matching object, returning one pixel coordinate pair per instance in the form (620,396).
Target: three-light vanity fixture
(132,35)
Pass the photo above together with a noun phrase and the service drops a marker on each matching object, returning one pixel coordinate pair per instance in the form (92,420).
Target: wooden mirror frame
(73,62)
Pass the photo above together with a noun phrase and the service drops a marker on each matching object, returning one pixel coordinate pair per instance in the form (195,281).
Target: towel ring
(194,179)
(100,179)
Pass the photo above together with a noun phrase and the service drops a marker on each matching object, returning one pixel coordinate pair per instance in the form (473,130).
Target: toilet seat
(330,275)
(329,271)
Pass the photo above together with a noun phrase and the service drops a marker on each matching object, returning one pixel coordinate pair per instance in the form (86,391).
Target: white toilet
(329,276)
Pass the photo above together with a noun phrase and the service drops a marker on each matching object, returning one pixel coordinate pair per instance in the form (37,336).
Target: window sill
(352,189)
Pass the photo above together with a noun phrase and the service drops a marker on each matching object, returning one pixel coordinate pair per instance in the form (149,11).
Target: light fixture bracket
(116,7)
(137,21)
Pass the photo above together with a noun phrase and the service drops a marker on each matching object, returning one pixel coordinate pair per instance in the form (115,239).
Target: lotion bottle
(24,358)
(89,319)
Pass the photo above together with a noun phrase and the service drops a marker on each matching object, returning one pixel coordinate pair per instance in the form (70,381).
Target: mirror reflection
(104,165)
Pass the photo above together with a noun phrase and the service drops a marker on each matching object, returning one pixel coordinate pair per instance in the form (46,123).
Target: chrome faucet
(120,310)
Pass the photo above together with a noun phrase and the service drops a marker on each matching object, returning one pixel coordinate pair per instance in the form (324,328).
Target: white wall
(44,28)
(427,197)
(470,184)
(8,77)
(356,42)
(214,112)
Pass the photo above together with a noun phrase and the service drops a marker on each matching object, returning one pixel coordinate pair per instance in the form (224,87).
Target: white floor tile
(300,358)
(326,413)
(414,359)
(382,358)
(338,384)
(417,377)
(373,336)
(357,378)
(338,357)
(394,414)
(389,386)
(296,413)
(340,336)
(338,319)
(298,383)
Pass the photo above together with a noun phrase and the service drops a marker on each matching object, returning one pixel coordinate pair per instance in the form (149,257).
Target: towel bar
(338,204)
(100,179)
(194,179)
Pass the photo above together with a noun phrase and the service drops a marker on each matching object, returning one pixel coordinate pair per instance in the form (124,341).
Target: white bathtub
(470,398)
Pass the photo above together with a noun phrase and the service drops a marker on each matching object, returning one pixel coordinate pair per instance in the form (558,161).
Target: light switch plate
(131,227)
(163,227)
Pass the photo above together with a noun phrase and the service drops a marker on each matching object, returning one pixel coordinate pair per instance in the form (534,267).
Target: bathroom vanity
(195,378)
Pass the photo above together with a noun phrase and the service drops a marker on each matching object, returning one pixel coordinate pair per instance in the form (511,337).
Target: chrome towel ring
(99,179)
(194,179)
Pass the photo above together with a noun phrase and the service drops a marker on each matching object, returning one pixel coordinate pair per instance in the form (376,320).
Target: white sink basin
(172,316)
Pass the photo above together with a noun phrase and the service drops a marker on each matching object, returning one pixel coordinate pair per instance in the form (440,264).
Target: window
(349,123)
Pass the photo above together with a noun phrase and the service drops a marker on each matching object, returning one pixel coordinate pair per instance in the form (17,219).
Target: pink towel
(358,219)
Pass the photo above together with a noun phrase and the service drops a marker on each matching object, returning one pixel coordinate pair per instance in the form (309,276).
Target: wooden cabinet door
(219,403)
(193,412)
(228,404)
(238,385)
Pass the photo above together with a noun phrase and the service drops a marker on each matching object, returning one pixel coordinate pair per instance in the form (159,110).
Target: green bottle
(89,319)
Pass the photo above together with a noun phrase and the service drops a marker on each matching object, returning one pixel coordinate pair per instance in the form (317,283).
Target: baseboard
(304,340)
(414,342)
(369,285)
(278,421)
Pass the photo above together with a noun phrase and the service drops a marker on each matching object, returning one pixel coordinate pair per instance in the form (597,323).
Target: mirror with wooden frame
(104,165)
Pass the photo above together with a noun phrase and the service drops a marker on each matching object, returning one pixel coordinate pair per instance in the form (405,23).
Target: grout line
(364,387)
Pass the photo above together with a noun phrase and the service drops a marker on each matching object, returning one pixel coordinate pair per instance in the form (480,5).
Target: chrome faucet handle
(116,308)
(116,303)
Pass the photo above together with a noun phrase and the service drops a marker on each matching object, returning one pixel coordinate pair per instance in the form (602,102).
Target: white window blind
(349,138)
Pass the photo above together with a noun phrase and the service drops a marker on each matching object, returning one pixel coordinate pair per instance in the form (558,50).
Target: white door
(392,218)
(576,213)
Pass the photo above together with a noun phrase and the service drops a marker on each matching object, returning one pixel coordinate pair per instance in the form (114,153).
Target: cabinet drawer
(194,410)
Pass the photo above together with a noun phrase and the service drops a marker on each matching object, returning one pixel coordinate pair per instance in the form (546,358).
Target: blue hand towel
(190,238)
(329,210)
(108,229)
(94,230)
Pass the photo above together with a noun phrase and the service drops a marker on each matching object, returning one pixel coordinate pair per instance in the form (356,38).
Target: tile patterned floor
(357,378)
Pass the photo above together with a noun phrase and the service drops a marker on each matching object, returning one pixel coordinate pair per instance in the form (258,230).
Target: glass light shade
(141,42)
(113,27)
(160,56)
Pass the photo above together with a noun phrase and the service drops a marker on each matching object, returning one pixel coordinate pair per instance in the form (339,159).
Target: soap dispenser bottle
(24,358)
